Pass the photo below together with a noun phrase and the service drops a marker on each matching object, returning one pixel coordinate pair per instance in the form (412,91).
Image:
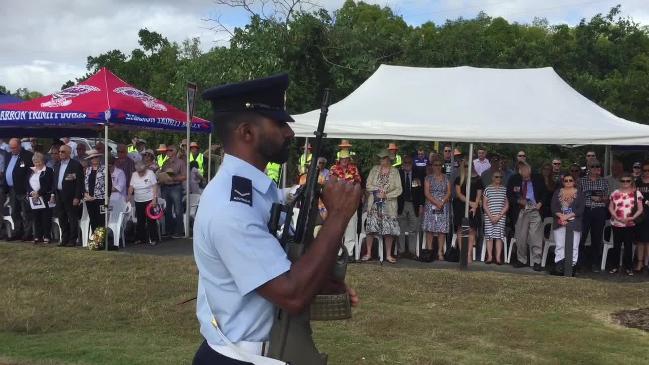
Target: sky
(44,43)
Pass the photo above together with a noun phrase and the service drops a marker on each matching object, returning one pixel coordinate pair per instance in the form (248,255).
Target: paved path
(183,247)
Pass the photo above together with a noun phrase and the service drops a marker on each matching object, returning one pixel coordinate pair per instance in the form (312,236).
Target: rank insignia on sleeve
(241,190)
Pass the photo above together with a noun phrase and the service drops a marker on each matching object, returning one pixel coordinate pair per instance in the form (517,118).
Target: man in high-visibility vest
(274,171)
(394,157)
(195,155)
(305,160)
(162,155)
(133,147)
(345,146)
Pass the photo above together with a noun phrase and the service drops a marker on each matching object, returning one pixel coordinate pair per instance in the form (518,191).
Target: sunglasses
(590,155)
(522,156)
(636,167)
(556,163)
(625,181)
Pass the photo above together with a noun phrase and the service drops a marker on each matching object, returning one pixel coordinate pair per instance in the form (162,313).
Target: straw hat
(92,154)
(193,144)
(148,151)
(162,148)
(393,147)
(344,154)
(344,144)
(383,153)
(457,152)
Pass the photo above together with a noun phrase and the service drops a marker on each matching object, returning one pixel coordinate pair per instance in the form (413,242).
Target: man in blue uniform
(244,273)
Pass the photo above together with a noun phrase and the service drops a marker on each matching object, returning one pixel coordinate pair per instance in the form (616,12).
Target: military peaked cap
(266,96)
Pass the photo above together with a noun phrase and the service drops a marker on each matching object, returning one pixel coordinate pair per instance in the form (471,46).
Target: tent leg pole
(209,157)
(607,161)
(106,184)
(284,175)
(466,227)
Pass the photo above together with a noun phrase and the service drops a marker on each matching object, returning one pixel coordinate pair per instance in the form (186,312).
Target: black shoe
(517,264)
(537,267)
(351,259)
(595,269)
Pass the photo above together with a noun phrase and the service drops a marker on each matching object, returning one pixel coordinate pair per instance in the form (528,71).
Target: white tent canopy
(467,104)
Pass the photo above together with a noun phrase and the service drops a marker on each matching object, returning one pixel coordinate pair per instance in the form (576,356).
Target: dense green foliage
(605,58)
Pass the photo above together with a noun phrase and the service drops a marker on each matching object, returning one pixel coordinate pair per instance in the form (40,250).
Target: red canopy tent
(102,100)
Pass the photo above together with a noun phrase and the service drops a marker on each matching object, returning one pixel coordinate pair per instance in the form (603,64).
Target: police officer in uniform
(244,273)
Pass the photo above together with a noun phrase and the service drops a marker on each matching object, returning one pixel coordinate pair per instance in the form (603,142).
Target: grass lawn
(71,306)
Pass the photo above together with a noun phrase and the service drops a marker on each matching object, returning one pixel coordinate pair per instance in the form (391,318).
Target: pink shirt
(623,204)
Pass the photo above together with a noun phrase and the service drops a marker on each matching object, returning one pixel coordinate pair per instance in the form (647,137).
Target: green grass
(65,306)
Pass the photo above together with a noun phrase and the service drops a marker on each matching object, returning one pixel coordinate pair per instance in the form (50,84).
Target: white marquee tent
(467,104)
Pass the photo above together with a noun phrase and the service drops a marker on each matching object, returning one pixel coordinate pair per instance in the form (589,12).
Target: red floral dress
(623,203)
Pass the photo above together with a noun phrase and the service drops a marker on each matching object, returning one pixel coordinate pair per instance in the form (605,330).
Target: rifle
(291,336)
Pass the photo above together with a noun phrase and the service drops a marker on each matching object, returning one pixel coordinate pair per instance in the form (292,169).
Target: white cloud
(46,42)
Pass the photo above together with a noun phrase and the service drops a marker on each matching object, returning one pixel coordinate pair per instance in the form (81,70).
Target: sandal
(440,257)
(613,271)
(629,272)
(46,241)
(391,260)
(365,258)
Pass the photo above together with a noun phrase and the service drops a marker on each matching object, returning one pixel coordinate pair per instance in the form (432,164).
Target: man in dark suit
(69,186)
(526,192)
(409,203)
(17,170)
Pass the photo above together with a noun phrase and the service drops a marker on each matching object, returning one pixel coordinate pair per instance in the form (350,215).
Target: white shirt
(119,183)
(34,180)
(143,186)
(481,166)
(64,165)
(235,254)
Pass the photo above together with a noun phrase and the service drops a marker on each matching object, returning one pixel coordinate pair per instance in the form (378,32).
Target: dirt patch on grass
(637,318)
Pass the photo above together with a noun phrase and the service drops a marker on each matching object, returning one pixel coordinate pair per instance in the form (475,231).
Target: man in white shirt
(481,163)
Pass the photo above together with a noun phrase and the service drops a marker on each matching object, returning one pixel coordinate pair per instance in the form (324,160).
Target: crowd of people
(405,195)
(507,199)
(39,184)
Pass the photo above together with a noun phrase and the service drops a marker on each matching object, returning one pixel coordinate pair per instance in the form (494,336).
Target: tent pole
(209,157)
(106,184)
(191,92)
(305,154)
(468,181)
(607,160)
(284,175)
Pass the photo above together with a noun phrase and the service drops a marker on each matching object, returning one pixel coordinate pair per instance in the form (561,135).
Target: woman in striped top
(495,206)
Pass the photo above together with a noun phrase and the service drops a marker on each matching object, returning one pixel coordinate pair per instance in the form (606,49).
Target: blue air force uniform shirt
(235,254)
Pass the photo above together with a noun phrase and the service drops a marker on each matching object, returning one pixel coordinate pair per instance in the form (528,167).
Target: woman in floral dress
(383,187)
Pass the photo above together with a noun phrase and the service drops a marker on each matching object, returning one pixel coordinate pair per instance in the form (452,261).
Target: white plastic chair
(361,237)
(59,231)
(607,244)
(7,218)
(160,222)
(119,212)
(454,242)
(505,250)
(548,241)
(512,242)
(84,225)
(193,207)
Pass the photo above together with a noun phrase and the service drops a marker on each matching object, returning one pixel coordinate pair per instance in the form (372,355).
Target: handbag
(452,254)
(637,220)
